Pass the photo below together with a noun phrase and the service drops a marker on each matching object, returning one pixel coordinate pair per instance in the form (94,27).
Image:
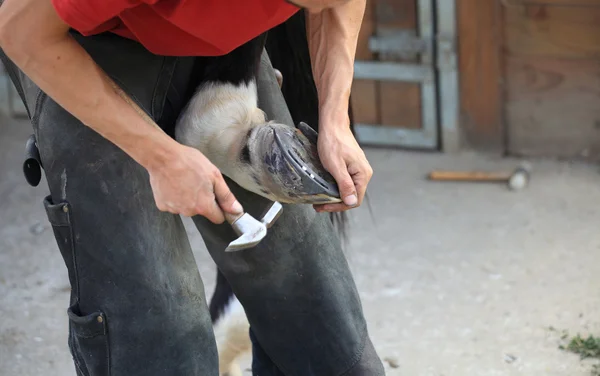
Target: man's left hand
(341,155)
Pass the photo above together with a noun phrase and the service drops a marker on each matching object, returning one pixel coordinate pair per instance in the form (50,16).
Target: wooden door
(394,91)
(552,77)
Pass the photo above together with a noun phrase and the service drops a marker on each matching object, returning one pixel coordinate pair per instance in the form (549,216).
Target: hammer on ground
(516,179)
(250,230)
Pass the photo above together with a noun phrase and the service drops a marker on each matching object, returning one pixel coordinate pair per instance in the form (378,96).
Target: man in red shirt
(118,182)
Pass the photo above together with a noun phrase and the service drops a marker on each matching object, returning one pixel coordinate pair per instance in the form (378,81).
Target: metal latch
(400,44)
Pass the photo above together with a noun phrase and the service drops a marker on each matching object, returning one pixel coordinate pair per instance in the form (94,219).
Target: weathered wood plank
(553,107)
(400,103)
(569,32)
(401,14)
(365,92)
(366,30)
(479,38)
(364,101)
(561,3)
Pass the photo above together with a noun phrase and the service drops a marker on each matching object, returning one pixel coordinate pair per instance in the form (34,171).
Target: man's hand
(332,31)
(37,40)
(190,184)
(341,155)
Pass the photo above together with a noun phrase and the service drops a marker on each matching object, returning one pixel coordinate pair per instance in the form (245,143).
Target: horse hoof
(284,163)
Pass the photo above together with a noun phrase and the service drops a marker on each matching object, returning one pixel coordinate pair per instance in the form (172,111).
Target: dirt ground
(456,279)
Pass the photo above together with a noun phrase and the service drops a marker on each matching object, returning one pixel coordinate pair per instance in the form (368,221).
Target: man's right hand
(37,40)
(189,184)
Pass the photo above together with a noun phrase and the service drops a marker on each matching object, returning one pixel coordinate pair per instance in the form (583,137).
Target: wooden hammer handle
(467,176)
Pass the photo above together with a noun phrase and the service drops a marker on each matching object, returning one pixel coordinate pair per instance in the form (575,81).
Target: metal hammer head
(272,214)
(519,178)
(252,231)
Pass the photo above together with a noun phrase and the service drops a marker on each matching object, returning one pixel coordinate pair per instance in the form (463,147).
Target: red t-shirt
(177,27)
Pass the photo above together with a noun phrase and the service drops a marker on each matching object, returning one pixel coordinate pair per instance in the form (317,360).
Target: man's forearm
(64,70)
(332,39)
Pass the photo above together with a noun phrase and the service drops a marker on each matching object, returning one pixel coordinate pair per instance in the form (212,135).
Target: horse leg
(224,122)
(234,136)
